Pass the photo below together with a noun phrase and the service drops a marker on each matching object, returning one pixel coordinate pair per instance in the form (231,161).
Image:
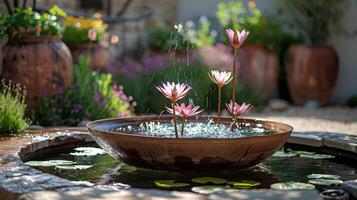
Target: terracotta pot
(43,64)
(258,69)
(187,153)
(311,73)
(100,56)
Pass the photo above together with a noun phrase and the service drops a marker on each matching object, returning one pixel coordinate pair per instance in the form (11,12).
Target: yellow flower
(84,23)
(251,4)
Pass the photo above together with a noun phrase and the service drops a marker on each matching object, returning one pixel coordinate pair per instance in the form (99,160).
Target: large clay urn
(258,69)
(312,73)
(100,56)
(43,64)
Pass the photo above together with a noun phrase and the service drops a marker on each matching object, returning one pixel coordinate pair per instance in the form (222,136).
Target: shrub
(161,38)
(12,108)
(196,75)
(76,30)
(25,21)
(92,96)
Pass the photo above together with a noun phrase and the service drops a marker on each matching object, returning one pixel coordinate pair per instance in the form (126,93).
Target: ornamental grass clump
(12,108)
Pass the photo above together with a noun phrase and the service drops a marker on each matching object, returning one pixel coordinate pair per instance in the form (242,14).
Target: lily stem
(234,77)
(174,118)
(182,126)
(219,105)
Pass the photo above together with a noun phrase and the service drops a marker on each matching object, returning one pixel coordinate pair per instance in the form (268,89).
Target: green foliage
(232,12)
(161,38)
(317,19)
(203,36)
(265,30)
(24,22)
(203,93)
(76,30)
(12,108)
(92,95)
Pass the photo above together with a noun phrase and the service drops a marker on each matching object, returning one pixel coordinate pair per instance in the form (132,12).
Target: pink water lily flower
(220,78)
(236,37)
(92,35)
(238,110)
(185,111)
(174,91)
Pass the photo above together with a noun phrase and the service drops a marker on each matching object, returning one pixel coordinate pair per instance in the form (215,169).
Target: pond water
(97,167)
(207,129)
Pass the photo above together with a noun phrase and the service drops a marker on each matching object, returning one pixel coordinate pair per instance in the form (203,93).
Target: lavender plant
(91,96)
(12,108)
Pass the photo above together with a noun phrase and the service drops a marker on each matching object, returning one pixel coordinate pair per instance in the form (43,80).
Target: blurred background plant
(164,39)
(196,75)
(92,96)
(317,19)
(77,28)
(25,22)
(264,30)
(12,108)
(202,37)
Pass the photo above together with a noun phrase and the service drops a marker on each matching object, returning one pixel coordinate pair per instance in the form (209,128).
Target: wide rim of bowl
(91,127)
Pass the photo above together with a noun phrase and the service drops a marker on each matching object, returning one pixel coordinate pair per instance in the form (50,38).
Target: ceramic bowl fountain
(195,153)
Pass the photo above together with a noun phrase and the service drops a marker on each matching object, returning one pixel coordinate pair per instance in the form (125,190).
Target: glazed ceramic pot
(258,69)
(312,73)
(43,64)
(100,56)
(175,154)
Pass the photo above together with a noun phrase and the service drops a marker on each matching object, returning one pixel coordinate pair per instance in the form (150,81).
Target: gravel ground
(330,119)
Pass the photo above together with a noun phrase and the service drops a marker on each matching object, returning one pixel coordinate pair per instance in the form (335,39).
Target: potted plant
(312,67)
(88,37)
(34,54)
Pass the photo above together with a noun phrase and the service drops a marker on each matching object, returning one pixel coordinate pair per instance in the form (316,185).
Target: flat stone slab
(351,187)
(92,194)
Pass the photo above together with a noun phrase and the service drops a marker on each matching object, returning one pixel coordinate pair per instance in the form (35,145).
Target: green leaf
(324,176)
(207,179)
(87,151)
(326,182)
(55,10)
(317,156)
(169,184)
(208,189)
(49,163)
(244,184)
(292,186)
(128,168)
(73,167)
(282,154)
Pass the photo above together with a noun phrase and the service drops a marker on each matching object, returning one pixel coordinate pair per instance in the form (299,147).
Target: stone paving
(328,120)
(328,127)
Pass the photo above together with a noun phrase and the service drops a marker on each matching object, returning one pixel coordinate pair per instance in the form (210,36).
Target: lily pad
(244,184)
(49,163)
(282,154)
(169,184)
(87,151)
(317,156)
(73,167)
(292,186)
(207,179)
(208,189)
(326,182)
(128,168)
(324,176)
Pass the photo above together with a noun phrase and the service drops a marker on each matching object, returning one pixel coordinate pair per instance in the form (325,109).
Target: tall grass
(12,108)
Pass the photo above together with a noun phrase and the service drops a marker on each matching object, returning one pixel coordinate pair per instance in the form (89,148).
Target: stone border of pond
(19,181)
